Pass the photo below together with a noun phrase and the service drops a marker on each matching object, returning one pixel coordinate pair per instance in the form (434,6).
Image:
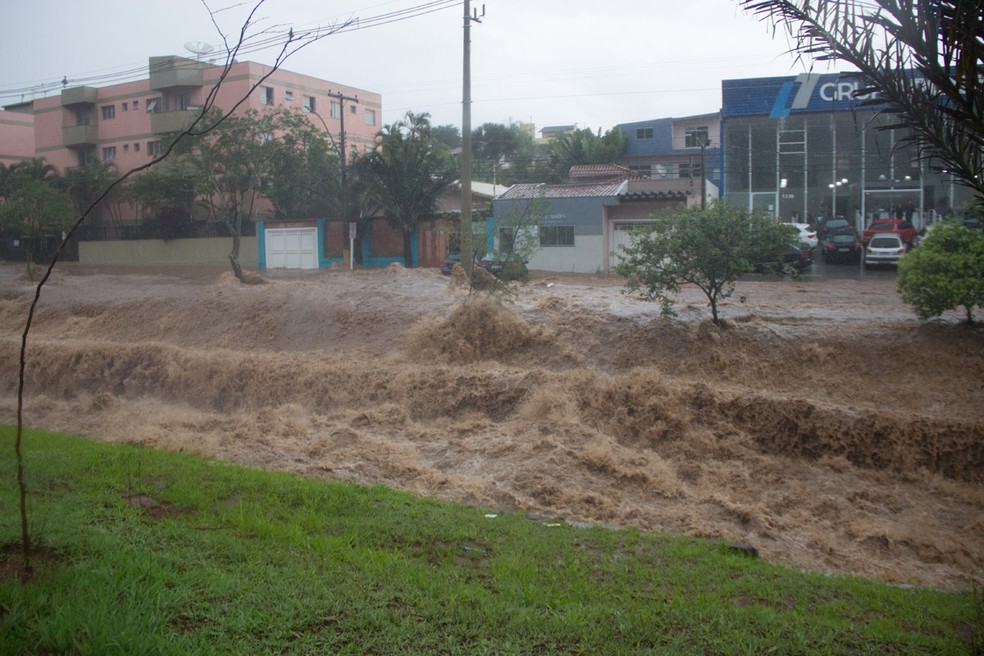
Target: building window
(136,105)
(83,117)
(266,95)
(336,109)
(691,170)
(153,105)
(136,147)
(154,148)
(126,106)
(309,104)
(108,112)
(183,101)
(644,133)
(556,235)
(109,154)
(642,169)
(352,109)
(370,117)
(87,157)
(696,137)
(126,148)
(288,95)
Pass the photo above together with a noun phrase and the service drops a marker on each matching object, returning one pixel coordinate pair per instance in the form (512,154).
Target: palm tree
(86,183)
(33,169)
(410,172)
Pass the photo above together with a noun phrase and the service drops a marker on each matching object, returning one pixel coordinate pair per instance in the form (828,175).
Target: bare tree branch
(292,44)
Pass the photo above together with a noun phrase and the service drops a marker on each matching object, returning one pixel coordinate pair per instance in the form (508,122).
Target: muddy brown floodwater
(825,426)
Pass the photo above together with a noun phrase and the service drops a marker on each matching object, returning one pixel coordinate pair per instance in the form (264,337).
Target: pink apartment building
(16,137)
(124,123)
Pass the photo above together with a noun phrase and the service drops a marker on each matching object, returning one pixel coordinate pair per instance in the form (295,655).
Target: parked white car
(807,234)
(884,248)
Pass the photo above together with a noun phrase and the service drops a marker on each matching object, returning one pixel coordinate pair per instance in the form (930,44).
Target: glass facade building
(804,147)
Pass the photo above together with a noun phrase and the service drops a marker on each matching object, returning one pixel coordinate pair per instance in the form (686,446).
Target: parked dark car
(841,247)
(510,267)
(799,256)
(454,257)
(835,226)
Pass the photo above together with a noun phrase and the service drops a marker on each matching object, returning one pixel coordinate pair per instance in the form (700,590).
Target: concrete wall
(155,252)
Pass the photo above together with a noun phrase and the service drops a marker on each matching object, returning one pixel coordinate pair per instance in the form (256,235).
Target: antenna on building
(199,48)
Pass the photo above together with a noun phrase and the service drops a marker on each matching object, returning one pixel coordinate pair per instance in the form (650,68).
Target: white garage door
(292,248)
(621,235)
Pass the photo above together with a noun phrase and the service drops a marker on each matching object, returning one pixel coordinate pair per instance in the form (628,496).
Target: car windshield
(885,242)
(842,239)
(835,224)
(882,226)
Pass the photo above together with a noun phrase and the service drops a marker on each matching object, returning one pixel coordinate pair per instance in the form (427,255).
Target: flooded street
(824,425)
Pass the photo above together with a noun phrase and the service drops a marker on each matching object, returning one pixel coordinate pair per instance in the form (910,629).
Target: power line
(273,38)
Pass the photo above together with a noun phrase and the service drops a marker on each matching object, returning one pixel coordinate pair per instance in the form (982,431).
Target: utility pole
(341,139)
(467,248)
(342,155)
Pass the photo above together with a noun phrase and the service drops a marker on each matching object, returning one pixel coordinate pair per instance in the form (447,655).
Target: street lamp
(833,193)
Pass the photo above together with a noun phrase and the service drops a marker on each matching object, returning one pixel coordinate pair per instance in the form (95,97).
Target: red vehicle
(901,227)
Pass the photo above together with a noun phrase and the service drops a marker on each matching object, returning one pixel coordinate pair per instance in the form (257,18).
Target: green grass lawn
(146,552)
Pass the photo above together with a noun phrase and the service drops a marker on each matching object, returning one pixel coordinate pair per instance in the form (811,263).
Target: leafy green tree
(410,172)
(32,169)
(585,147)
(517,238)
(493,145)
(86,186)
(36,210)
(305,175)
(237,158)
(165,195)
(363,199)
(946,272)
(886,41)
(709,248)
(449,135)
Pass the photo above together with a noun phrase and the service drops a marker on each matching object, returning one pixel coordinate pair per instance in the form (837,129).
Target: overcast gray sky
(552,62)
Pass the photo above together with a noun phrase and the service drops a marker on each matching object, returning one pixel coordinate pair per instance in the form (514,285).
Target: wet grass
(147,552)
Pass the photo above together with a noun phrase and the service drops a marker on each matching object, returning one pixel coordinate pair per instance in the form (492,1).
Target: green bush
(945,272)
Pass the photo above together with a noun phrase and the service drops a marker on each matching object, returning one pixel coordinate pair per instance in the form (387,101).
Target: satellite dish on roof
(199,47)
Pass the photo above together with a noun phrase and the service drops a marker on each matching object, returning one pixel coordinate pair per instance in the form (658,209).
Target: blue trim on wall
(260,245)
(489,234)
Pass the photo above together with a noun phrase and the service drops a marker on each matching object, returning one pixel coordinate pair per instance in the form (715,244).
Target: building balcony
(79,96)
(169,72)
(176,121)
(80,135)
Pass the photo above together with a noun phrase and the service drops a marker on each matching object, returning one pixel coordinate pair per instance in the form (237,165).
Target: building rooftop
(527,190)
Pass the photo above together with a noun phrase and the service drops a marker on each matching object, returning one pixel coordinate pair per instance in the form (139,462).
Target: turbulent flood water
(824,426)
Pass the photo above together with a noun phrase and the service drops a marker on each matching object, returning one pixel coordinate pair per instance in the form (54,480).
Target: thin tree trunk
(237,269)
(407,249)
